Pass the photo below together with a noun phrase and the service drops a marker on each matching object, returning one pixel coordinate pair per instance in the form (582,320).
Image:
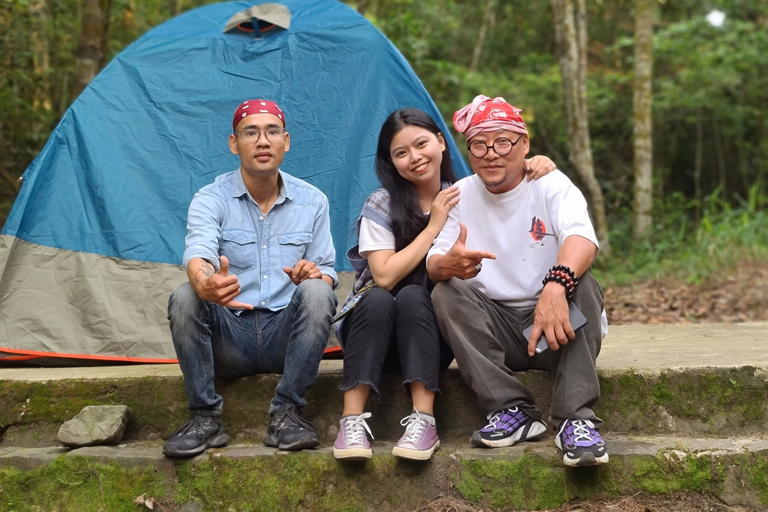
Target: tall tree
(643,121)
(571,39)
(90,51)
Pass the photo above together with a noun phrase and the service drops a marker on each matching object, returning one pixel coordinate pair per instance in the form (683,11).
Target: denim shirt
(225,220)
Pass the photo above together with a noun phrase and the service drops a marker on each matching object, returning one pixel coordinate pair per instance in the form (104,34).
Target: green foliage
(679,247)
(703,76)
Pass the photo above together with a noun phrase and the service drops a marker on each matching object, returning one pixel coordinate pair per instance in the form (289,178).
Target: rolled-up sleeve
(204,222)
(321,250)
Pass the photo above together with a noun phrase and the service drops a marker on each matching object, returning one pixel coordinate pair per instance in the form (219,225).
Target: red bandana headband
(250,107)
(486,114)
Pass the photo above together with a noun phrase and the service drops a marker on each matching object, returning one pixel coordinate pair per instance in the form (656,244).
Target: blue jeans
(211,340)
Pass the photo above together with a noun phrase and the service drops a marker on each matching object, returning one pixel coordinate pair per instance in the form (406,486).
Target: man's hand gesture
(462,262)
(221,287)
(551,318)
(302,271)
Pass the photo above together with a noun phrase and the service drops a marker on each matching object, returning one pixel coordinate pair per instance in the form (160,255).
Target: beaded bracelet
(563,275)
(567,270)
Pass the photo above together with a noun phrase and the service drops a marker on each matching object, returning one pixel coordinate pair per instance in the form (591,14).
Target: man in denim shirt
(260,299)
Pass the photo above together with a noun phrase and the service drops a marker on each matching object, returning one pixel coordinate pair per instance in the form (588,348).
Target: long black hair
(408,220)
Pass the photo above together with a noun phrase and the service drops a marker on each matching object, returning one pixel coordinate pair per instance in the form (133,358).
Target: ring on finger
(479,267)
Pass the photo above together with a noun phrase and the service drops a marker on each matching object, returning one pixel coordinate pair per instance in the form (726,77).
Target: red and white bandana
(486,114)
(250,107)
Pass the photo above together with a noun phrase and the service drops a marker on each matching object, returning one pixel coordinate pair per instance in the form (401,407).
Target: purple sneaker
(581,444)
(507,427)
(352,443)
(420,439)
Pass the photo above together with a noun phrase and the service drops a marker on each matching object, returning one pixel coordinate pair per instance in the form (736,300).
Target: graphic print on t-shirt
(538,231)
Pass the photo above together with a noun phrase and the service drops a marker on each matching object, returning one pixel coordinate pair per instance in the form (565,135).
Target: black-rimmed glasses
(501,146)
(273,134)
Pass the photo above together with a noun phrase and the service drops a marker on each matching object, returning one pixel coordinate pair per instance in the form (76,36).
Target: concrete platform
(639,347)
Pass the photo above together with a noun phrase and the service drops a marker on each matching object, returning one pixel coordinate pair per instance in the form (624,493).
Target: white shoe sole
(586,459)
(537,430)
(405,453)
(352,453)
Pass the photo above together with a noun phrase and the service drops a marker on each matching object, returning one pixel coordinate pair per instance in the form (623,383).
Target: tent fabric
(92,247)
(65,301)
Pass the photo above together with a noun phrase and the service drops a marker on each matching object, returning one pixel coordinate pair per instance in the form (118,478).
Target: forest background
(704,132)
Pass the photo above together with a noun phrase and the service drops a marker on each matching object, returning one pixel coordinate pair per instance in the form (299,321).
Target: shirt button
(261,218)
(265,277)
(263,246)
(262,303)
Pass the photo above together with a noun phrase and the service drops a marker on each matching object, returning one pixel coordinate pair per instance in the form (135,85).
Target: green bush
(679,247)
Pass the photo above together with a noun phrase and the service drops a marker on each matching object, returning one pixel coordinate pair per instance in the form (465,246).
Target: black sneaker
(194,436)
(507,427)
(289,431)
(581,444)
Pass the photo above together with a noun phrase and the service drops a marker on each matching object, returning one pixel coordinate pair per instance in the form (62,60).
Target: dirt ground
(736,295)
(639,503)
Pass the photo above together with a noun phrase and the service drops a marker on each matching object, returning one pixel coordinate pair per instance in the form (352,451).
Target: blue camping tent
(93,245)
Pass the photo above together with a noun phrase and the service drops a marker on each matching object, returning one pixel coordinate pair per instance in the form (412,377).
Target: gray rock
(95,424)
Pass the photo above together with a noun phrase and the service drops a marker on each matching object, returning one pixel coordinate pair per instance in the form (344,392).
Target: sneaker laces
(583,431)
(194,424)
(355,429)
(494,418)
(415,426)
(294,420)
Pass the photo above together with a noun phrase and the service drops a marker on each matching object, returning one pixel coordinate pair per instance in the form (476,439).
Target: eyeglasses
(273,133)
(501,146)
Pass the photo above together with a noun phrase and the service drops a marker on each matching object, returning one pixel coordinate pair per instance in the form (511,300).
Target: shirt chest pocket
(293,246)
(240,247)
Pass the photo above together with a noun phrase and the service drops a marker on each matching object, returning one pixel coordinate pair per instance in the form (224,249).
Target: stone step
(690,380)
(684,408)
(248,476)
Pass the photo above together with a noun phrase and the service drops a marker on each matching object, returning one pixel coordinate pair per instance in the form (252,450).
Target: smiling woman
(392,328)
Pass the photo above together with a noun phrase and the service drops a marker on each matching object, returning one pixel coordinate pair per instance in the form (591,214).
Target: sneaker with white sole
(420,439)
(351,442)
(581,444)
(508,427)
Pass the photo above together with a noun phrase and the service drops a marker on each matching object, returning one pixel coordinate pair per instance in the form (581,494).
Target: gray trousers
(487,341)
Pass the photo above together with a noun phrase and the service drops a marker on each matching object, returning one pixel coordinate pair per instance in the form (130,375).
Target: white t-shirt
(374,237)
(524,228)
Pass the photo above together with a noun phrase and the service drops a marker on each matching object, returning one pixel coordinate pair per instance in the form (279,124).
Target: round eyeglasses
(273,134)
(501,146)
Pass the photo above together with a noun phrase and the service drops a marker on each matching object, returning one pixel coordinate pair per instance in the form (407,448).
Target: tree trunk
(40,11)
(479,42)
(368,7)
(643,120)
(697,169)
(571,39)
(722,184)
(177,6)
(90,46)
(487,20)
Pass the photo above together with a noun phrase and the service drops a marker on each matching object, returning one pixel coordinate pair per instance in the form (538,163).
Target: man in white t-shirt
(534,243)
